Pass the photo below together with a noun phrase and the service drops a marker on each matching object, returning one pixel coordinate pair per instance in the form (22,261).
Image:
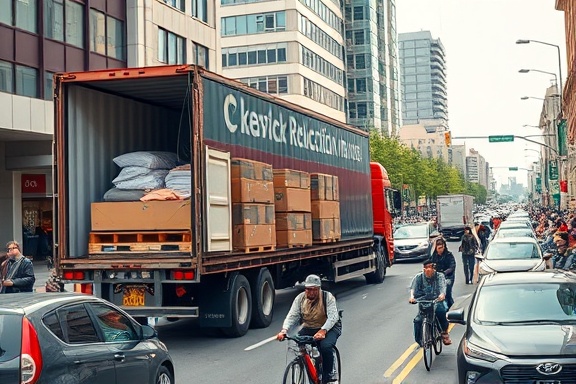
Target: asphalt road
(376,346)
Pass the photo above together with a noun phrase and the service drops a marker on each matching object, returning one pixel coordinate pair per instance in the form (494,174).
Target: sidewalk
(41,273)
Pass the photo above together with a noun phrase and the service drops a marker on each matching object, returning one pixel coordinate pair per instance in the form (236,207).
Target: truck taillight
(83,288)
(73,275)
(31,357)
(183,275)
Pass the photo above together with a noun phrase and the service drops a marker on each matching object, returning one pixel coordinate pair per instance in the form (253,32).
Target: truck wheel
(377,277)
(263,296)
(241,307)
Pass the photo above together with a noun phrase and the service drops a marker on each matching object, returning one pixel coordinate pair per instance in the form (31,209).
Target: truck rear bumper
(162,311)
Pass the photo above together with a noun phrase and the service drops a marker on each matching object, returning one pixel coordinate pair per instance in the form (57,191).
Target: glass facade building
(423,74)
(372,65)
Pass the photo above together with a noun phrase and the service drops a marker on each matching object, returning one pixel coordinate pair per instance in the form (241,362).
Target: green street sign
(500,138)
(512,168)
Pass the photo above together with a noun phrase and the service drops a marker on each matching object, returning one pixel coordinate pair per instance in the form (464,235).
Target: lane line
(400,360)
(265,341)
(409,367)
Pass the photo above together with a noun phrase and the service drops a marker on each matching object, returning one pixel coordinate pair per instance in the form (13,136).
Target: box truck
(277,192)
(453,212)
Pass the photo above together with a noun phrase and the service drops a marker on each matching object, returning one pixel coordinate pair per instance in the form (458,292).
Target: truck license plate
(133,296)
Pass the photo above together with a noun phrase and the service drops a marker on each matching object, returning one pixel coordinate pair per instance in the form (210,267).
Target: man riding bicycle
(318,319)
(430,285)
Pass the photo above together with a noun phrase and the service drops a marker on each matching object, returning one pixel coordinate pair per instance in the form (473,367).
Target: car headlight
(423,244)
(476,352)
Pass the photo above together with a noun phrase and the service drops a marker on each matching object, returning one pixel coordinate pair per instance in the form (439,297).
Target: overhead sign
(512,168)
(500,138)
(33,184)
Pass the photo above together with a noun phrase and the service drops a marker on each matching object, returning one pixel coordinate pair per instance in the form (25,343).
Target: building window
(271,84)
(54,19)
(26,15)
(248,24)
(171,47)
(251,55)
(358,13)
(48,78)
(200,10)
(26,81)
(74,24)
(178,4)
(201,55)
(6,15)
(106,35)
(6,77)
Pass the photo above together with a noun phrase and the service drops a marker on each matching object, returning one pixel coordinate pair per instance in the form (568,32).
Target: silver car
(512,254)
(414,241)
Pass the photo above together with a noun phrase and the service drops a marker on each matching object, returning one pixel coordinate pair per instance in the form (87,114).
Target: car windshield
(512,251)
(526,303)
(515,233)
(410,231)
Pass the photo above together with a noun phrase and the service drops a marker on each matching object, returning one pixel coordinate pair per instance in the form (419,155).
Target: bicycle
(431,330)
(306,368)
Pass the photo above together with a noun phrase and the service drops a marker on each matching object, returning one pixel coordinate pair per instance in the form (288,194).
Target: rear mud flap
(215,306)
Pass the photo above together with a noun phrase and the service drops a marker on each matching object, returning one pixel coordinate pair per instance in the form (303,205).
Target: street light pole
(523,41)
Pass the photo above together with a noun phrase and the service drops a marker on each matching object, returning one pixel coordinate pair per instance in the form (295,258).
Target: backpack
(338,326)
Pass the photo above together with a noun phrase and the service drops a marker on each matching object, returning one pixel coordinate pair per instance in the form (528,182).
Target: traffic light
(447,139)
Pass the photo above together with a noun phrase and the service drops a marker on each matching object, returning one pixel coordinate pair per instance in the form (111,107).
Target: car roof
(514,239)
(30,302)
(547,276)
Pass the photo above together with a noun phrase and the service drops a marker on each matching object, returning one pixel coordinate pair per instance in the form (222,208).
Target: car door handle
(119,356)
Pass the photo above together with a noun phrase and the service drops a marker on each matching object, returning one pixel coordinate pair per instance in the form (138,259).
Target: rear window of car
(526,302)
(512,251)
(10,336)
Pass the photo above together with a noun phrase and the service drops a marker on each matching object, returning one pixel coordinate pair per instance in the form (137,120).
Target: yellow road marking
(410,365)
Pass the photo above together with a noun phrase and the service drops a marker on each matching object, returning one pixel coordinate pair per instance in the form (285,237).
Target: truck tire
(240,307)
(263,295)
(377,277)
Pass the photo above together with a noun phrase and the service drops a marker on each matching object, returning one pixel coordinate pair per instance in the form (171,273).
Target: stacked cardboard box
(293,209)
(252,206)
(325,208)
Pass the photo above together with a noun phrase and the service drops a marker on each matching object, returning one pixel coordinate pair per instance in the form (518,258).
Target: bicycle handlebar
(301,339)
(425,301)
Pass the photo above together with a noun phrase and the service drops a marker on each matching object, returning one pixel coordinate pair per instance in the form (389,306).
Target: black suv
(74,338)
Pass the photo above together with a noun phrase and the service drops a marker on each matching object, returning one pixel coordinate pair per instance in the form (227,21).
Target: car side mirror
(456,316)
(148,332)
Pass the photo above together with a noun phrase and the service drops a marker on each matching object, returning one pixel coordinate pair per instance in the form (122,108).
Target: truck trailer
(193,257)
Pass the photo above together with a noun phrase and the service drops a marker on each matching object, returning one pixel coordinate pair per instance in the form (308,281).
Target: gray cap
(312,281)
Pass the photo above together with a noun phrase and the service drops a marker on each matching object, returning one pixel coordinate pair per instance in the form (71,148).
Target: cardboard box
(294,238)
(250,169)
(249,235)
(292,199)
(252,191)
(252,214)
(291,178)
(324,209)
(324,187)
(141,216)
(326,229)
(293,220)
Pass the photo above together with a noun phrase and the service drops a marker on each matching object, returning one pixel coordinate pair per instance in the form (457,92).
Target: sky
(482,60)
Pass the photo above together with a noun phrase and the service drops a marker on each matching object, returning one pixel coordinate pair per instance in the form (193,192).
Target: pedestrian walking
(468,247)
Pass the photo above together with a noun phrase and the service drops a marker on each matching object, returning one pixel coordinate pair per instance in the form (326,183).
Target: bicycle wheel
(295,373)
(427,341)
(437,338)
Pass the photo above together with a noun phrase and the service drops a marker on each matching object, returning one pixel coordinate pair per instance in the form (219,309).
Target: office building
(292,49)
(423,79)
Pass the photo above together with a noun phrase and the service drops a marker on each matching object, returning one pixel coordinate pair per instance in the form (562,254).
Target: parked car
(414,241)
(74,338)
(519,329)
(512,254)
(514,232)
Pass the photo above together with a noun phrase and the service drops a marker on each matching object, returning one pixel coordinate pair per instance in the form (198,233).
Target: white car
(512,254)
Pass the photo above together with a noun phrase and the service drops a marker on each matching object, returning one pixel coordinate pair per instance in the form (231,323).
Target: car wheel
(164,376)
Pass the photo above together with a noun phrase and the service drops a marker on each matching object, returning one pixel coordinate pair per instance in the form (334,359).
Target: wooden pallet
(294,245)
(146,241)
(263,248)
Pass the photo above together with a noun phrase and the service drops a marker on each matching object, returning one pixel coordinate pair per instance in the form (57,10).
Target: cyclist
(318,319)
(446,263)
(430,285)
